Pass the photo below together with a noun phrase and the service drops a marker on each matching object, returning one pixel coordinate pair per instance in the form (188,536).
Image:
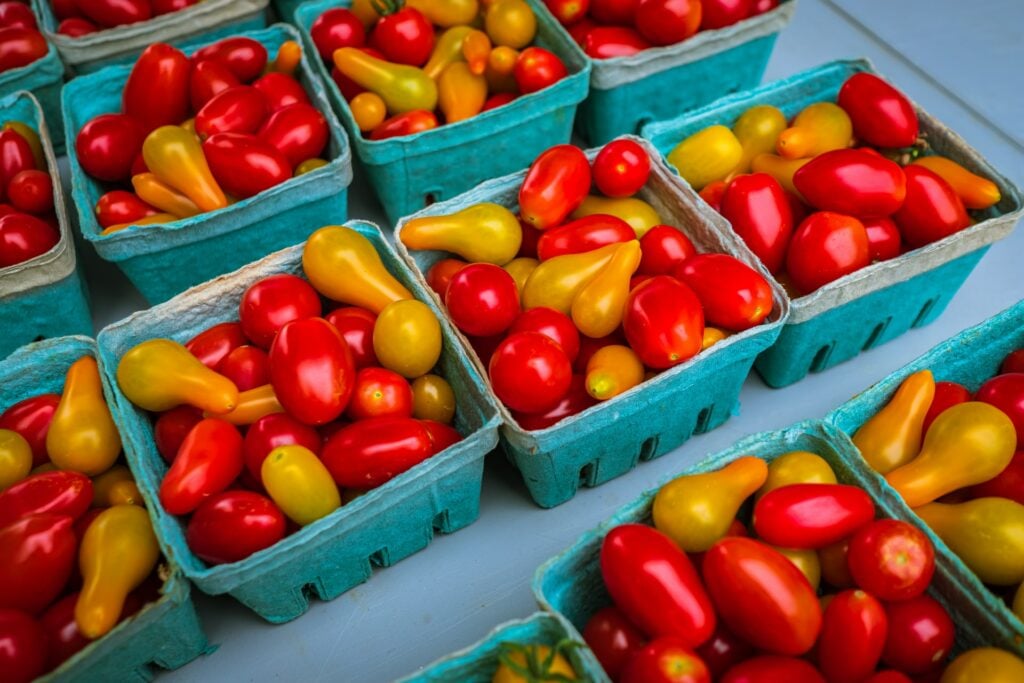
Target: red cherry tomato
(209,79)
(773,669)
(853,630)
(575,401)
(240,109)
(760,213)
(31,191)
(15,156)
(271,431)
(63,638)
(52,493)
(613,11)
(893,560)
(824,248)
(664,247)
(441,435)
(157,91)
(245,165)
(39,554)
(920,635)
(613,639)
(64,9)
(208,461)
(76,27)
(664,22)
(171,428)
(212,345)
(233,525)
(107,146)
(852,181)
(409,123)
(380,393)
(356,327)
(247,366)
(370,452)
(110,13)
(280,90)
(1014,362)
(23,237)
(529,372)
(537,68)
(482,299)
(31,419)
(334,29)
(273,301)
(168,6)
(664,322)
(884,241)
(724,650)
(583,234)
(245,57)
(931,211)
(552,324)
(811,515)
(1005,392)
(665,660)
(441,273)
(311,370)
(652,581)
(722,13)
(298,131)
(17,14)
(498,100)
(405,37)
(621,168)
(608,42)
(1007,484)
(20,46)
(23,646)
(568,12)
(734,295)
(881,115)
(761,596)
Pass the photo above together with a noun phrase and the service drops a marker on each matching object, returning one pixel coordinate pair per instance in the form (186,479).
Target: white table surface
(962,62)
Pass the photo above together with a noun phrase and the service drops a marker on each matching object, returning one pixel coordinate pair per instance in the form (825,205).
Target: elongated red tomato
(311,370)
(24,646)
(608,42)
(370,452)
(761,596)
(664,247)
(20,46)
(245,57)
(880,113)
(734,295)
(664,22)
(558,181)
(120,206)
(653,582)
(410,122)
(109,13)
(209,79)
(241,109)
(583,234)
(209,460)
(172,427)
(852,181)
(760,213)
(23,237)
(853,630)
(157,91)
(15,156)
(39,553)
(920,635)
(298,131)
(811,515)
(280,90)
(932,209)
(31,418)
(233,525)
(57,493)
(824,248)
(270,303)
(271,431)
(212,345)
(773,669)
(613,639)
(245,165)
(664,322)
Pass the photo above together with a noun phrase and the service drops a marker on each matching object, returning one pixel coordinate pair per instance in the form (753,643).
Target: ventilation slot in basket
(588,474)
(648,448)
(820,361)
(441,522)
(925,311)
(877,333)
(704,419)
(380,559)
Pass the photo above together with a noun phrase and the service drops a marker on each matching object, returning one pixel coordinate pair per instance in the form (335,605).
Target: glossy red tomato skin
(537,68)
(608,42)
(884,240)
(356,327)
(280,90)
(531,238)
(1007,484)
(441,435)
(244,165)
(20,46)
(247,366)
(380,393)
(245,57)
(76,27)
(17,14)
(168,6)
(240,109)
(270,303)
(208,461)
(233,525)
(824,248)
(271,431)
(23,237)
(613,639)
(157,90)
(408,123)
(722,13)
(212,345)
(734,295)
(63,637)
(336,28)
(529,372)
(665,660)
(31,419)
(312,371)
(920,635)
(53,493)
(298,131)
(371,452)
(931,211)
(760,213)
(773,669)
(23,646)
(880,114)
(109,13)
(891,559)
(621,168)
(583,234)
(120,206)
(664,248)
(39,553)
(107,146)
(575,401)
(15,156)
(947,395)
(761,596)
(853,182)
(664,322)
(614,11)
(209,79)
(482,299)
(31,191)
(654,584)
(440,275)
(724,650)
(64,9)
(665,22)
(853,631)
(1014,362)
(171,428)
(551,323)
(405,37)
(811,515)
(1005,392)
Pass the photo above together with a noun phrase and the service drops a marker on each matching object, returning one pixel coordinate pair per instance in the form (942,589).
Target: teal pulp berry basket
(969,358)
(44,79)
(659,83)
(571,585)
(162,260)
(338,552)
(208,19)
(479,662)
(286,9)
(414,171)
(165,634)
(44,296)
(878,303)
(609,439)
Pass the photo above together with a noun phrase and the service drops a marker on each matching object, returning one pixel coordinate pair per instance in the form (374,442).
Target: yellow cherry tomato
(597,309)
(160,374)
(500,72)
(537,659)
(819,128)
(612,370)
(15,458)
(82,435)
(116,486)
(757,130)
(712,335)
(511,23)
(407,338)
(985,665)
(797,467)
(447,13)
(309,165)
(433,399)
(806,561)
(520,269)
(640,215)
(706,156)
(369,110)
(299,484)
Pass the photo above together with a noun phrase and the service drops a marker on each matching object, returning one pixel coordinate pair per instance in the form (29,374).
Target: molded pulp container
(43,78)
(653,418)
(626,93)
(338,552)
(570,584)
(969,358)
(286,9)
(878,303)
(413,171)
(44,296)
(208,19)
(163,260)
(478,662)
(165,633)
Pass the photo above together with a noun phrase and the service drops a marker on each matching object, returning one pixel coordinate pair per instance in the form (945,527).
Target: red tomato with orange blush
(537,68)
(356,327)
(441,273)
(891,559)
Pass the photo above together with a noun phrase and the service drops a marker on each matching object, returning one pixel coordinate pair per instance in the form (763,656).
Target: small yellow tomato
(520,269)
(116,486)
(309,165)
(15,458)
(511,23)
(612,370)
(369,110)
(797,467)
(706,156)
(712,335)
(758,130)
(433,399)
(407,338)
(300,484)
(806,561)
(985,665)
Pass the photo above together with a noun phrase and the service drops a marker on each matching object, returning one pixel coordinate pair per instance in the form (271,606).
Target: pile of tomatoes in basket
(21,43)
(28,224)
(195,134)
(82,17)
